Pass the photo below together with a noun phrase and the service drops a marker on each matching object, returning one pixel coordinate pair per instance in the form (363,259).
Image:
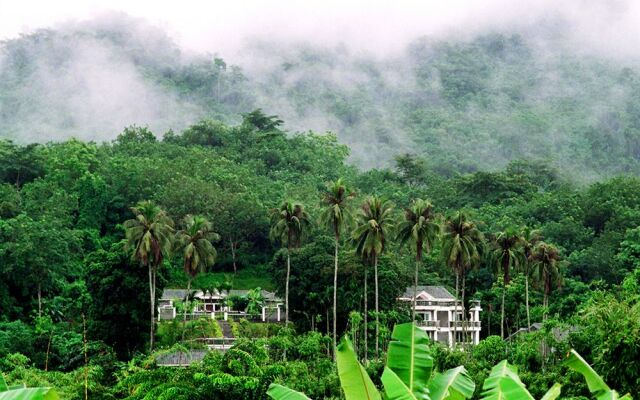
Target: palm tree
(529,238)
(335,216)
(375,221)
(198,252)
(507,254)
(150,236)
(289,225)
(461,245)
(420,230)
(545,261)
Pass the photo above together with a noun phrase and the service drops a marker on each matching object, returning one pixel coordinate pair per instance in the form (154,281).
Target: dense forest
(68,278)
(498,167)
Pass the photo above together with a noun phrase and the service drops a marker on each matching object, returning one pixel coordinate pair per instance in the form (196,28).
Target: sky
(373,25)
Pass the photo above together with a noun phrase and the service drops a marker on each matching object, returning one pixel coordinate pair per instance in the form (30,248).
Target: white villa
(439,314)
(213,305)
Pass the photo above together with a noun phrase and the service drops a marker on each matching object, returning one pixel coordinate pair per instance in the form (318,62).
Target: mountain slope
(462,104)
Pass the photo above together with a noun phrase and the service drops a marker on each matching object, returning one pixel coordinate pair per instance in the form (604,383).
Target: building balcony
(458,325)
(427,324)
(429,303)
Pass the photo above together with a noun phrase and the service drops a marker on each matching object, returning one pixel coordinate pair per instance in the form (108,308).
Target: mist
(384,79)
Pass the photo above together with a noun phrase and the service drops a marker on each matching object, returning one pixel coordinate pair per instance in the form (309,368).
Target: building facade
(216,305)
(439,314)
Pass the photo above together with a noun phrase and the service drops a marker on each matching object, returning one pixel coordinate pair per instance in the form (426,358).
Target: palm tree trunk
(286,289)
(366,317)
(504,289)
(152,305)
(184,321)
(415,292)
(526,300)
(545,305)
(46,359)
(375,272)
(39,299)
(335,297)
(233,255)
(464,312)
(455,311)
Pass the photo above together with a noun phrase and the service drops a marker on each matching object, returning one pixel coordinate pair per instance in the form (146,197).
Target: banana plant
(595,383)
(408,374)
(503,383)
(23,393)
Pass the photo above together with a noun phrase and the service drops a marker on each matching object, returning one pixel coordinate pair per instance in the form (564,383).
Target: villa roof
(437,292)
(179,358)
(171,294)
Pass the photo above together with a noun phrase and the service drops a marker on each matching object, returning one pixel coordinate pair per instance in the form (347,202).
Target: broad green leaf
(394,388)
(454,384)
(504,383)
(279,392)
(552,393)
(409,358)
(354,380)
(594,381)
(22,393)
(29,394)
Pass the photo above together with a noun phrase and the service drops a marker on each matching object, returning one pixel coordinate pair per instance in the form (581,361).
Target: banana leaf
(453,384)
(552,393)
(279,392)
(354,380)
(595,383)
(22,393)
(394,388)
(409,358)
(504,383)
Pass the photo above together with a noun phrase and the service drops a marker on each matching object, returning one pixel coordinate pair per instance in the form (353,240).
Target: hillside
(462,104)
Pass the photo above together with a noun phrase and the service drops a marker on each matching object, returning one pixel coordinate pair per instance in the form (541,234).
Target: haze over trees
(463,103)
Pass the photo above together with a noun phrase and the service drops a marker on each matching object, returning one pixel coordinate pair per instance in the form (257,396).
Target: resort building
(439,314)
(219,305)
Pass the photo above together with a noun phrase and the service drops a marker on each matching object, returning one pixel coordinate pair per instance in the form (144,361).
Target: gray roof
(437,292)
(179,358)
(171,294)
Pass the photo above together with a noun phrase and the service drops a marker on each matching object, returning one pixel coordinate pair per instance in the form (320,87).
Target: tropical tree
(506,255)
(420,231)
(336,216)
(149,237)
(528,239)
(461,247)
(195,243)
(289,225)
(375,220)
(545,263)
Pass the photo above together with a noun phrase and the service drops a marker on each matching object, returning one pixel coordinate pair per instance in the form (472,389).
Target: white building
(213,305)
(439,314)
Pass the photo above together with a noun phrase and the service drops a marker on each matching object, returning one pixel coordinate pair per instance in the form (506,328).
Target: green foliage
(279,392)
(409,359)
(22,393)
(354,379)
